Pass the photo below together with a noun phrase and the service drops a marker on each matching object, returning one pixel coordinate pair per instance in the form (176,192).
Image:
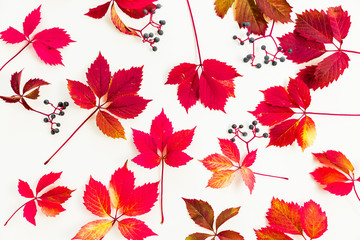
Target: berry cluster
(150,37)
(57,111)
(240,133)
(269,56)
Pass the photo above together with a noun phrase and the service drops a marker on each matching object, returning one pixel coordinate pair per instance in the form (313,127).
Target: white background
(25,141)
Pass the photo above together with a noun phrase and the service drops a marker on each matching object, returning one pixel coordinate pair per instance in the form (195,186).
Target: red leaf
(200,212)
(13,99)
(306,132)
(230,235)
(177,158)
(57,195)
(138,13)
(161,130)
(53,37)
(11,35)
(81,94)
(125,82)
(31,21)
(180,140)
(340,160)
(339,188)
(143,141)
(141,199)
(327,175)
(147,159)
(269,233)
(226,215)
(247,11)
(25,190)
(46,181)
(97,198)
(277,10)
(132,228)
(313,219)
(314,25)
(304,49)
(198,236)
(216,162)
(278,97)
(95,230)
(285,217)
(99,11)
(48,54)
(229,149)
(181,72)
(219,70)
(128,107)
(249,159)
(33,94)
(330,69)
(269,115)
(307,75)
(30,212)
(50,209)
(15,82)
(339,22)
(98,76)
(284,133)
(34,83)
(121,186)
(248,178)
(133,4)
(299,93)
(188,91)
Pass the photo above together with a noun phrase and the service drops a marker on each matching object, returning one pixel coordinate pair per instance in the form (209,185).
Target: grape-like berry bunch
(149,37)
(269,57)
(57,111)
(241,133)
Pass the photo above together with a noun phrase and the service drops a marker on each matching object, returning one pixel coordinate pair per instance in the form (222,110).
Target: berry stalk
(195,32)
(77,129)
(29,42)
(17,211)
(267,175)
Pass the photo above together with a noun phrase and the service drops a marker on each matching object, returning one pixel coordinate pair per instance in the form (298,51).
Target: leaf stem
(77,129)
(16,55)
(343,50)
(196,37)
(357,195)
(266,175)
(162,190)
(329,114)
(17,211)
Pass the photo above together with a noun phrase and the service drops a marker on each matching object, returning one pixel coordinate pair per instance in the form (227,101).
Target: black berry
(266,58)
(151,35)
(249,56)
(251,40)
(230,131)
(233,139)
(156,39)
(46,120)
(258,65)
(46,101)
(290,50)
(146,35)
(56,130)
(242,43)
(241,126)
(257,130)
(60,104)
(246,60)
(145,11)
(162,22)
(279,48)
(282,59)
(53,116)
(62,113)
(66,104)
(244,134)
(251,126)
(263,47)
(266,61)
(265,135)
(154,48)
(234,126)
(160,32)
(234,37)
(58,124)
(274,63)
(158,6)
(53,132)
(254,123)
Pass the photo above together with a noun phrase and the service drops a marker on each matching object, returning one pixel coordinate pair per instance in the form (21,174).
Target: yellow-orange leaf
(221,179)
(313,219)
(306,132)
(222,7)
(119,24)
(247,11)
(216,162)
(109,125)
(278,10)
(95,230)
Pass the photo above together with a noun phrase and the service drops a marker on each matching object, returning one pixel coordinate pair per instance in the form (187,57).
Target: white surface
(26,143)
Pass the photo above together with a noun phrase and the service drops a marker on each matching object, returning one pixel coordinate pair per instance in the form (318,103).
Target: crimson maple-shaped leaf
(50,201)
(45,43)
(277,109)
(290,218)
(337,174)
(224,167)
(202,214)
(122,194)
(313,30)
(30,90)
(113,96)
(212,83)
(162,145)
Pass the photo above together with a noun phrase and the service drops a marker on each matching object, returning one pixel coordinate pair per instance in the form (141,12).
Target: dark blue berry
(162,22)
(46,120)
(234,37)
(158,6)
(258,65)
(257,130)
(266,61)
(241,126)
(246,60)
(249,56)
(251,40)
(266,58)
(53,116)
(233,126)
(146,35)
(279,48)
(230,131)
(62,113)
(66,104)
(58,124)
(156,39)
(233,139)
(53,132)
(154,48)
(265,135)
(160,32)
(151,35)
(46,101)
(254,123)
(145,11)
(274,63)
(244,134)
(251,127)
(60,104)
(263,47)
(247,24)
(282,59)
(242,43)
(290,50)
(56,130)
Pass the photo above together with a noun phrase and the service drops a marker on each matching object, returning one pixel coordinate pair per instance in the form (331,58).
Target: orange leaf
(216,162)
(247,11)
(285,217)
(269,233)
(333,158)
(313,219)
(226,215)
(248,177)
(50,209)
(306,132)
(109,125)
(200,212)
(95,230)
(120,25)
(33,94)
(277,10)
(222,7)
(221,179)
(132,228)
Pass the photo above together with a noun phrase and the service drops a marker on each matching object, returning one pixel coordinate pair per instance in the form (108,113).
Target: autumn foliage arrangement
(45,43)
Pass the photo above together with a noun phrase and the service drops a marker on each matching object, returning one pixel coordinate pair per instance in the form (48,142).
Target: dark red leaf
(15,82)
(277,10)
(13,99)
(188,91)
(339,21)
(226,215)
(181,72)
(98,76)
(269,115)
(284,133)
(33,94)
(299,93)
(99,11)
(128,107)
(200,212)
(133,4)
(34,83)
(230,235)
(81,94)
(307,75)
(278,97)
(143,141)
(161,130)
